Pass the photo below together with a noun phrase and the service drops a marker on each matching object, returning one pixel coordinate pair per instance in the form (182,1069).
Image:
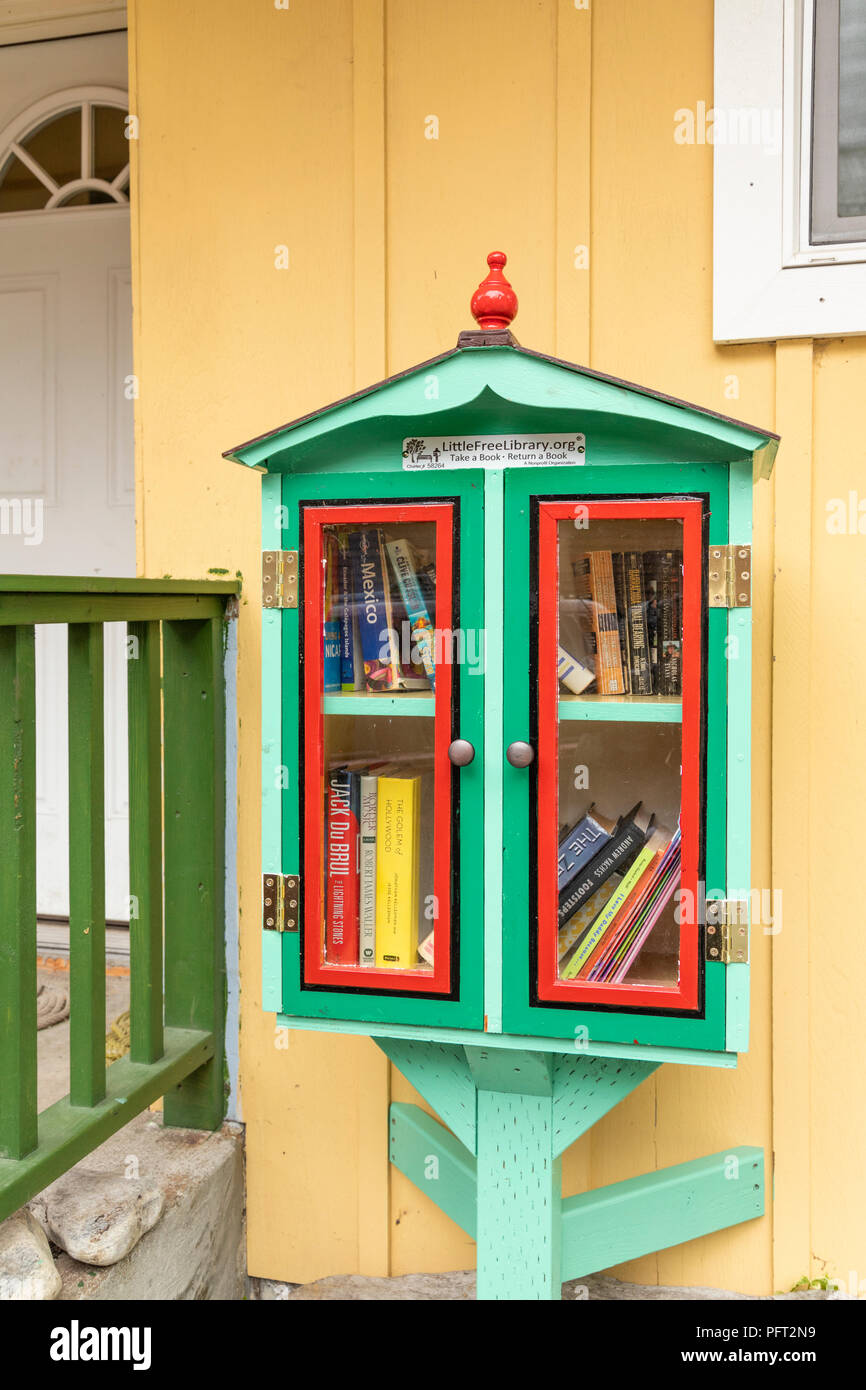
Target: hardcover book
(343,817)
(585,838)
(616,856)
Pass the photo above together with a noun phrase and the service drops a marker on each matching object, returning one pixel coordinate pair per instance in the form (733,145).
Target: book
(404,564)
(341,898)
(572,673)
(668,571)
(398,825)
(664,880)
(585,838)
(595,582)
(619,587)
(619,928)
(351,668)
(652,615)
(636,609)
(585,944)
(586,915)
(331,624)
(372,596)
(616,855)
(367,868)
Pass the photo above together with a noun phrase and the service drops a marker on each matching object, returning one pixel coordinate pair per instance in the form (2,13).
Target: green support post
(194,763)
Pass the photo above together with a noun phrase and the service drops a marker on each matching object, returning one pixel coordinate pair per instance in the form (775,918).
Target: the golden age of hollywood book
(397,871)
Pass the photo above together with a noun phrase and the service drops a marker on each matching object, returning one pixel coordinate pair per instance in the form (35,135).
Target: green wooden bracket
(528,1073)
(636,1217)
(434,1161)
(439,1072)
(585,1088)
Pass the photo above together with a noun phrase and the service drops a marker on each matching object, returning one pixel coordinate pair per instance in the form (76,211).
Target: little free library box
(506,675)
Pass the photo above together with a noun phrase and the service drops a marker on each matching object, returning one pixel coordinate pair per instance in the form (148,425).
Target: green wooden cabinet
(517,482)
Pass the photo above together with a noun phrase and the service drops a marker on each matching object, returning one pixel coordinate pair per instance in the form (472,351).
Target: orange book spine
(609,676)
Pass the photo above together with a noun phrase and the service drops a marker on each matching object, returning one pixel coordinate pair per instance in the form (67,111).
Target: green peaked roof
(546,391)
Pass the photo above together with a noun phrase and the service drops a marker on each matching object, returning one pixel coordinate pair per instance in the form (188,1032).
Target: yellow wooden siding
(307,128)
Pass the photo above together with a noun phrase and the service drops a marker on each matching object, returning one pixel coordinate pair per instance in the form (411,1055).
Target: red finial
(494,303)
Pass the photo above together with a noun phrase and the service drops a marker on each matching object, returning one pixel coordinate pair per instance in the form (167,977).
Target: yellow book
(398,847)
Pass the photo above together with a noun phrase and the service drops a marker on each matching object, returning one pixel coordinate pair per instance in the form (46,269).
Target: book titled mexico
(403,562)
(398,855)
(590,834)
(615,857)
(341,899)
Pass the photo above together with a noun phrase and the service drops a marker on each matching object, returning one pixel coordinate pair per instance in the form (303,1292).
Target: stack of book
(380,611)
(629,624)
(615,878)
(374,867)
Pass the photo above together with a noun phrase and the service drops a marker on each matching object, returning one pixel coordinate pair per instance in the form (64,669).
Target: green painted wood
(591,1027)
(497,390)
(89,584)
(86,865)
(408,704)
(493,1069)
(436,1162)
(67,1133)
(682,1056)
(18,1134)
(633,1218)
(105,607)
(494,588)
(519,1198)
(372,1009)
(273,768)
(194,760)
(585,1088)
(739,769)
(440,1073)
(635,709)
(145,841)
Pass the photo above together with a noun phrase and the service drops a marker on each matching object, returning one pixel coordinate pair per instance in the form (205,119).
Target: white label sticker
(494,451)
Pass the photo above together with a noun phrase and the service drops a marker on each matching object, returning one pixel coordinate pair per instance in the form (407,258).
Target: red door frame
(316,970)
(685,995)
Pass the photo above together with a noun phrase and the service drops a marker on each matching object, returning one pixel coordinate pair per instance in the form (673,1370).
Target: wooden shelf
(647,709)
(417,703)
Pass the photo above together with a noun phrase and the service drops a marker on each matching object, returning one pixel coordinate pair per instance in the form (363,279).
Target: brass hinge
(279,578)
(728,930)
(280,902)
(730,576)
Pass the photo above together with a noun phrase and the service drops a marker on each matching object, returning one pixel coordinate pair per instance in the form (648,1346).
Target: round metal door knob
(461,752)
(520,754)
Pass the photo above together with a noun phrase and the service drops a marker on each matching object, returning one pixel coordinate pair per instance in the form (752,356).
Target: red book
(343,894)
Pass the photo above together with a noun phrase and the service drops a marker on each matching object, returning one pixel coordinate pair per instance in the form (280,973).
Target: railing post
(194,760)
(18,1125)
(86,865)
(145,842)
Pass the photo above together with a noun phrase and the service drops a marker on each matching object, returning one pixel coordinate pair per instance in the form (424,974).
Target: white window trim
(767,282)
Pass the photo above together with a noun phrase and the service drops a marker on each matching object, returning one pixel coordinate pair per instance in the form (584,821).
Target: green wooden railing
(176,737)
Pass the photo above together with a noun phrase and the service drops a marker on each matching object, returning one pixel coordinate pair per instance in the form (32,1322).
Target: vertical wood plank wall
(382,148)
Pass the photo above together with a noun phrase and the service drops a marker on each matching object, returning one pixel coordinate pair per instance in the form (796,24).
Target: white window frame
(768,282)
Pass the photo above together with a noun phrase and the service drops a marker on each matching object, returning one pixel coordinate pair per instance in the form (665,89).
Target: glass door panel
(619,638)
(377,792)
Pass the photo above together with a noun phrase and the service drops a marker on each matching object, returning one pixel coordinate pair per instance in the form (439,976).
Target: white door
(66,388)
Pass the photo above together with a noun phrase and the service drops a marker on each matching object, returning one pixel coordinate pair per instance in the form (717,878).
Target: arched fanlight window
(68,150)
